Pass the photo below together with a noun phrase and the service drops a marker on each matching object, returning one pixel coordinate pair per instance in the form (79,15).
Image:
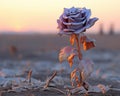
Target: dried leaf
(65,53)
(70,59)
(72,39)
(62,57)
(99,88)
(87,42)
(74,77)
(77,81)
(83,39)
(103,88)
(86,68)
(73,74)
(88,45)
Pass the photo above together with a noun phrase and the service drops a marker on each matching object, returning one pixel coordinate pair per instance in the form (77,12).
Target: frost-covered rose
(75,20)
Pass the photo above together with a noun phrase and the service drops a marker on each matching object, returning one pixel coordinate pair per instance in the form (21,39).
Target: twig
(57,90)
(68,93)
(74,91)
(13,76)
(29,76)
(50,79)
(114,89)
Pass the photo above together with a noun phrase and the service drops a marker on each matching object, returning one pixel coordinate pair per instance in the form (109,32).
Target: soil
(42,59)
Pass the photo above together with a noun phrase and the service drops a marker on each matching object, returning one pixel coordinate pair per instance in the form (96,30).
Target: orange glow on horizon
(41,15)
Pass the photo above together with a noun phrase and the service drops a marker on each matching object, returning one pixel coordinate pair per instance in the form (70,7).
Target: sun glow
(17,28)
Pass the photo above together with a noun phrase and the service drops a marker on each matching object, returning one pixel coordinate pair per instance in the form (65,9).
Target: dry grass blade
(29,76)
(50,79)
(115,89)
(56,89)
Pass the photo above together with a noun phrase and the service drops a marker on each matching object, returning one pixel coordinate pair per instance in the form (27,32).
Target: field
(39,53)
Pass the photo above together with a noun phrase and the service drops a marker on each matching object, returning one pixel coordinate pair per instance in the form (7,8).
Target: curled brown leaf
(65,53)
(88,45)
(70,59)
(87,42)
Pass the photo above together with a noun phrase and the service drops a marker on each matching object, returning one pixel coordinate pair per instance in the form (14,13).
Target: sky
(41,15)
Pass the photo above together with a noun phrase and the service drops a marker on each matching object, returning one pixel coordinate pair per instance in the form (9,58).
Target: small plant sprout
(74,22)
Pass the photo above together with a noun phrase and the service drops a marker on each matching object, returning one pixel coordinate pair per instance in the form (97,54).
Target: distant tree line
(110,32)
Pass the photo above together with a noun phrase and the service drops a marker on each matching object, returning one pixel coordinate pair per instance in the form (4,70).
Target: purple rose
(75,20)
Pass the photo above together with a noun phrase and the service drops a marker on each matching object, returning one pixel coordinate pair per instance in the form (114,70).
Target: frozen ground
(44,62)
(106,64)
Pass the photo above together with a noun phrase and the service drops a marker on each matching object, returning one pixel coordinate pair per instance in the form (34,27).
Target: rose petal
(75,27)
(91,22)
(75,24)
(83,10)
(80,30)
(88,14)
(80,19)
(61,26)
(71,19)
(64,16)
(75,16)
(61,18)
(73,10)
(67,53)
(65,23)
(66,33)
(68,30)
(66,10)
(75,20)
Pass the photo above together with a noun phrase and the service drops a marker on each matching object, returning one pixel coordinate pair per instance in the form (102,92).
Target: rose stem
(79,55)
(78,47)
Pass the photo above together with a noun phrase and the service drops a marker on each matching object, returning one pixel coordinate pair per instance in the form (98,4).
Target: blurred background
(29,39)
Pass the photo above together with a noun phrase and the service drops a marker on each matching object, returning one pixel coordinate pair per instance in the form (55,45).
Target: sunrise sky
(41,15)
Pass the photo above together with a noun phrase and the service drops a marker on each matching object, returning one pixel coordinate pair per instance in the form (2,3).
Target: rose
(75,20)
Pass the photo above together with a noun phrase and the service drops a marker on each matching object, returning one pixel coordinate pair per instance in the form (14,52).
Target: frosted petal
(91,22)
(64,16)
(68,30)
(75,20)
(88,14)
(75,24)
(75,16)
(80,30)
